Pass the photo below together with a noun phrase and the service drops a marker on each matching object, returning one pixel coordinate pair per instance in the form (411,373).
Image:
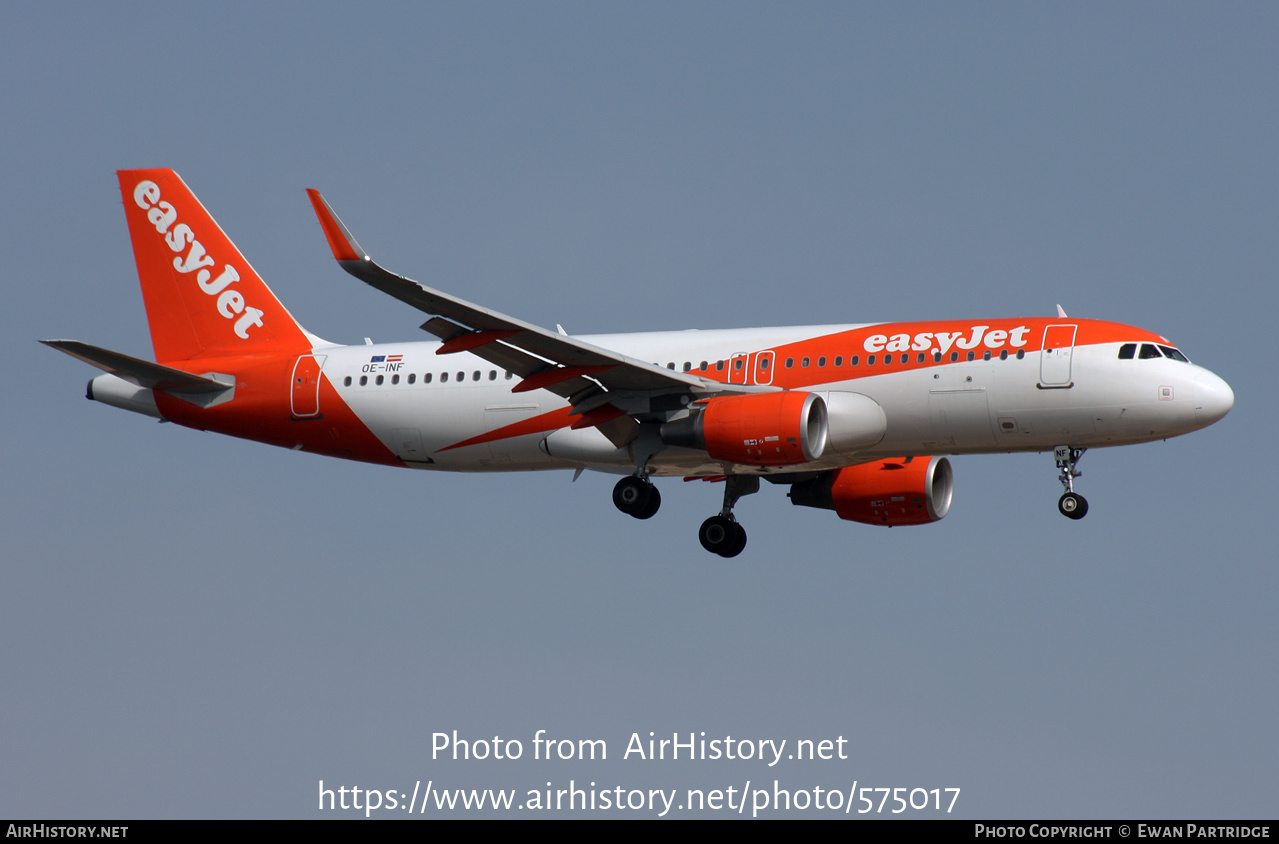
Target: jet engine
(895,491)
(765,429)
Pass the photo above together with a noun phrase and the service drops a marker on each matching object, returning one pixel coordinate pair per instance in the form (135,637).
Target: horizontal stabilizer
(144,373)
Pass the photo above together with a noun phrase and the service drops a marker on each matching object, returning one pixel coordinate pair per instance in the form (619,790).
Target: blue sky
(198,626)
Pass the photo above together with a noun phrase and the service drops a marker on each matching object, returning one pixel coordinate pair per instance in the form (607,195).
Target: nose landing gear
(722,534)
(1072,505)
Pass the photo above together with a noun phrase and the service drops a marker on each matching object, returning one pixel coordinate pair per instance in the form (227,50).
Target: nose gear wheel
(1073,505)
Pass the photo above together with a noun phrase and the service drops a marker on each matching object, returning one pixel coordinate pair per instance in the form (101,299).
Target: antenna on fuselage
(1061,313)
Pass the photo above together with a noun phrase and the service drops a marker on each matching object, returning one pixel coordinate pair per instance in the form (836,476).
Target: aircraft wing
(544,359)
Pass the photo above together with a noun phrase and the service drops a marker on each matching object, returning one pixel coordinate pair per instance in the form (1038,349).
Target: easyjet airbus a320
(853,418)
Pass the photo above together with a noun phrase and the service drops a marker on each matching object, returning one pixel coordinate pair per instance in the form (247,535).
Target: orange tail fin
(203,299)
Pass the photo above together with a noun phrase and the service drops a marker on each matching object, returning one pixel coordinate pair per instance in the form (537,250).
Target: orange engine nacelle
(895,491)
(765,429)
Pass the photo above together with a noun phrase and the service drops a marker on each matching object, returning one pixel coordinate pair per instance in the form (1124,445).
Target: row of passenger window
(427,378)
(1148,351)
(854,360)
(920,357)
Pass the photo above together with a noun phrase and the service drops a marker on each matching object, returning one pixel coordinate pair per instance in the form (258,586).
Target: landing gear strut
(1072,505)
(722,534)
(636,496)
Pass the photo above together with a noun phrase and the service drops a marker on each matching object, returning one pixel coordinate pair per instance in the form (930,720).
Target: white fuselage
(995,405)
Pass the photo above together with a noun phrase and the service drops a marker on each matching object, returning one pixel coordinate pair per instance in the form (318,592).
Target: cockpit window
(1170,352)
(1148,351)
(1127,350)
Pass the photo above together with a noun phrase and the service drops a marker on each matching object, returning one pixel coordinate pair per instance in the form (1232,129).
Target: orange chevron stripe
(535,425)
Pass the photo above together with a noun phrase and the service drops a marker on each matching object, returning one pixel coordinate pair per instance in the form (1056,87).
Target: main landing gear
(1071,504)
(636,496)
(722,534)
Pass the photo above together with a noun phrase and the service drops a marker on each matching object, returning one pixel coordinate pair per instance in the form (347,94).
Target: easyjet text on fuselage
(942,341)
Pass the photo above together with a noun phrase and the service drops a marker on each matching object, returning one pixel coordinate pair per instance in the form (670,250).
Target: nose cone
(1213,398)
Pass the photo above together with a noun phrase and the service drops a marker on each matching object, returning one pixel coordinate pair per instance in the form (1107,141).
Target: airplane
(852,418)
